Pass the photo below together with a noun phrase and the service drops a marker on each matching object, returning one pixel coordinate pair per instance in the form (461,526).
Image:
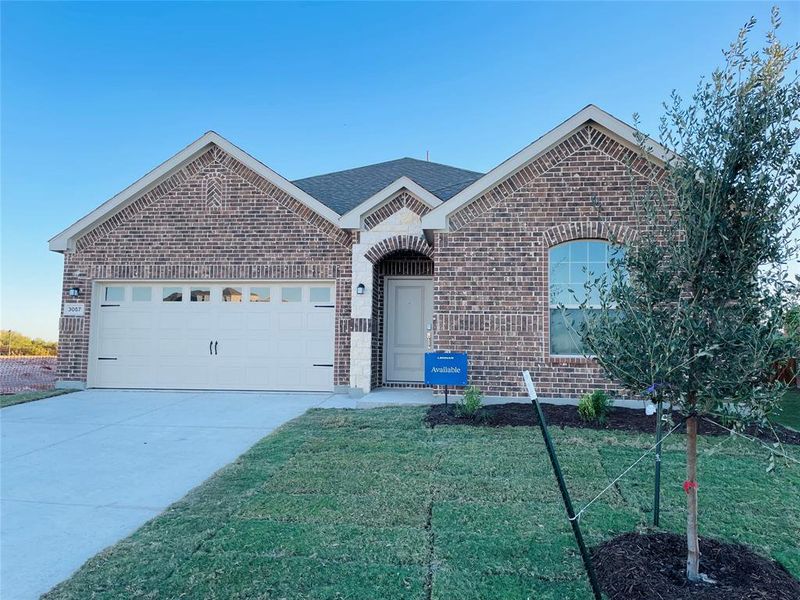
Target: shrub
(471,402)
(595,406)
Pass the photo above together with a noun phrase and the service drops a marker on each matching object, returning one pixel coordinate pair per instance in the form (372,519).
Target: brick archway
(567,232)
(398,242)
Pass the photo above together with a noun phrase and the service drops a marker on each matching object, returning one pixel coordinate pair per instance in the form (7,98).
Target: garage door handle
(215,347)
(210,345)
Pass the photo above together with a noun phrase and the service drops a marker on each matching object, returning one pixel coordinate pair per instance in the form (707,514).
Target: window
(200,295)
(571,266)
(291,294)
(320,294)
(231,294)
(259,294)
(142,294)
(172,294)
(114,293)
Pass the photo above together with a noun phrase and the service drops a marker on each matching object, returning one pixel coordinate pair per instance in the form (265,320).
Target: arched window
(571,265)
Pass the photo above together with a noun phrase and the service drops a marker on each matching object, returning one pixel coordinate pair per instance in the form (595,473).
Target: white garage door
(217,335)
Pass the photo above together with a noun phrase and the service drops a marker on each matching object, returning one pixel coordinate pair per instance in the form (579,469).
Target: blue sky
(95,95)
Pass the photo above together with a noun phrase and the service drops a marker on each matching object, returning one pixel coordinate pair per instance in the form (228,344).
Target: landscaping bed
(653,567)
(619,419)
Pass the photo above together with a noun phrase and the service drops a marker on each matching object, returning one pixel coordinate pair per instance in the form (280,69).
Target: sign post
(446,368)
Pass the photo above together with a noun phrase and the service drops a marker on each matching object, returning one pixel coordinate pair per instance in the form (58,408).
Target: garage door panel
(232,321)
(259,321)
(292,348)
(259,345)
(291,321)
(320,321)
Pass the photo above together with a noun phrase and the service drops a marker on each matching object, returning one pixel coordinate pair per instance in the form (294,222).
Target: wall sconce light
(360,289)
(74,292)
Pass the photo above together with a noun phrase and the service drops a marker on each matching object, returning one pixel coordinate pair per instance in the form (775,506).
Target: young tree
(693,307)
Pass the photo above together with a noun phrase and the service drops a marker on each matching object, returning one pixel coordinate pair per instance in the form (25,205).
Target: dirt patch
(620,419)
(652,566)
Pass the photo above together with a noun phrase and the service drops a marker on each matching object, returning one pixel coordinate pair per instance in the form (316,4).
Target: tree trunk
(692,541)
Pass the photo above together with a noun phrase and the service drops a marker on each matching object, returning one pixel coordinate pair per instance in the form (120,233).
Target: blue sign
(446,368)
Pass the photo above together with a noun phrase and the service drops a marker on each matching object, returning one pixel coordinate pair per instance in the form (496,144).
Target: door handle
(210,344)
(215,347)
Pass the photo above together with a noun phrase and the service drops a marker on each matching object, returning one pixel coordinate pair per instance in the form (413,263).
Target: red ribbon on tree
(688,486)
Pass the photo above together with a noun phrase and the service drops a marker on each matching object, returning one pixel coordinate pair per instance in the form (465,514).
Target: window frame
(572,305)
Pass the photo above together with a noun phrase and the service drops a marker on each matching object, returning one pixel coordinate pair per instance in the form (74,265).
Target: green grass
(790,409)
(371,504)
(12,399)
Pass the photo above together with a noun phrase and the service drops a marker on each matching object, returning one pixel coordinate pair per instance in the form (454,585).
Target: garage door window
(320,294)
(200,295)
(259,294)
(231,294)
(291,294)
(142,294)
(172,294)
(115,293)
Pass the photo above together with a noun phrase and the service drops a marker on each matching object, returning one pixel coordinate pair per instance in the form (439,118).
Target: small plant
(471,402)
(595,406)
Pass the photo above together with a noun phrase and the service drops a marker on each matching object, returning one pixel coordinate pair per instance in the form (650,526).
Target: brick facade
(491,295)
(216,219)
(213,219)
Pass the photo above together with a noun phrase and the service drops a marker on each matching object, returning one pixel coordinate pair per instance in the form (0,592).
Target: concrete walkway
(82,471)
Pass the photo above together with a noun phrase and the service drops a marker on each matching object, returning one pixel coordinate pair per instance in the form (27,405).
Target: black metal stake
(445,395)
(657,494)
(576,528)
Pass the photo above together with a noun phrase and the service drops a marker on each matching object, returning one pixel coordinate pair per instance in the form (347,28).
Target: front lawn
(373,504)
(21,398)
(790,409)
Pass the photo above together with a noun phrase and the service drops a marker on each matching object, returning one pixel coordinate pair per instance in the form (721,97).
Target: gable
(585,146)
(590,126)
(210,212)
(402,200)
(214,195)
(176,169)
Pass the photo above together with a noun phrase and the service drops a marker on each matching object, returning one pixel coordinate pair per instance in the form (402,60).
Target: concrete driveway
(81,471)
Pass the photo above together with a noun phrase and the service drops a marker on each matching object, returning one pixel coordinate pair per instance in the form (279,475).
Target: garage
(234,335)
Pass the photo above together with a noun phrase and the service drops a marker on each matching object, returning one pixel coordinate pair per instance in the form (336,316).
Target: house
(214,272)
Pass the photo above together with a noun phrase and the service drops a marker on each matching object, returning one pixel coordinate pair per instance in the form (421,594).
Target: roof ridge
(386,162)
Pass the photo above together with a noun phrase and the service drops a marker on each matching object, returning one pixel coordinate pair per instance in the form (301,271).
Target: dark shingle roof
(344,190)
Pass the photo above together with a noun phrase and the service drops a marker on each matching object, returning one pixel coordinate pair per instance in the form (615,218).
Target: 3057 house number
(74,309)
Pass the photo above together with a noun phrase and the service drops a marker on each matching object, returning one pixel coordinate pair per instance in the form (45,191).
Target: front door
(409,324)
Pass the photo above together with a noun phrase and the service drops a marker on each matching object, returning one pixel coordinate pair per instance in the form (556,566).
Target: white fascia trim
(66,239)
(437,219)
(352,218)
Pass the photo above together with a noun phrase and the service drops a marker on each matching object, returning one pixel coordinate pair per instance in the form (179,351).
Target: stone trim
(403,199)
(565,232)
(398,242)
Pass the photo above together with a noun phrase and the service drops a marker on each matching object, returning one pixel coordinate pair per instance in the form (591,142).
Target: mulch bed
(619,419)
(652,566)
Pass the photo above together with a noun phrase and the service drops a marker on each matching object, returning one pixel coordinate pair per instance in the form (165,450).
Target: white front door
(409,326)
(271,335)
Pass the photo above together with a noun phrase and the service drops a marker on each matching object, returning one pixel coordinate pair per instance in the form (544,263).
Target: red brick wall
(491,269)
(214,219)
